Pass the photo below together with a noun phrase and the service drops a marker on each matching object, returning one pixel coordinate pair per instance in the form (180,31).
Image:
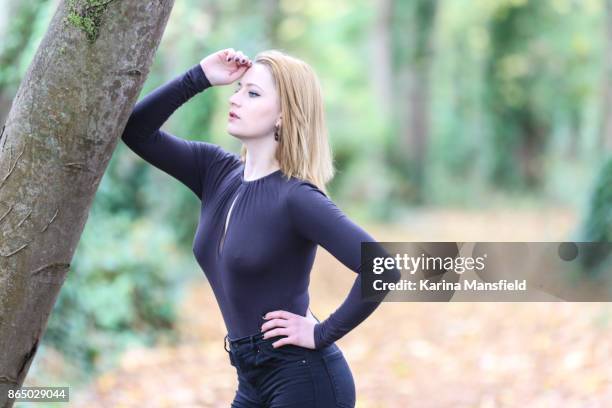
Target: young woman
(263,214)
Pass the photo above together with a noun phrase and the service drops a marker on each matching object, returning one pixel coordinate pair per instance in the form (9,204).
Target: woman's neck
(260,159)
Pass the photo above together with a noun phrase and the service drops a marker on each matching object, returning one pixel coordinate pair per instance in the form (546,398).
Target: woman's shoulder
(296,185)
(300,192)
(215,163)
(211,154)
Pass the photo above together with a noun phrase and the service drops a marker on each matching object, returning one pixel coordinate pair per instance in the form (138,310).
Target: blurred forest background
(449,120)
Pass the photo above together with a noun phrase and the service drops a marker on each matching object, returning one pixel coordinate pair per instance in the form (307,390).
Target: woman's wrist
(204,73)
(198,78)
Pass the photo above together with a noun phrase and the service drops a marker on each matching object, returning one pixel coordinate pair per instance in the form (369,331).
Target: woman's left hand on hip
(298,329)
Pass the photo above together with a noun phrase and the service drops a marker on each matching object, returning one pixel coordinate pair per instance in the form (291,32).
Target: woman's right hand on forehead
(225,66)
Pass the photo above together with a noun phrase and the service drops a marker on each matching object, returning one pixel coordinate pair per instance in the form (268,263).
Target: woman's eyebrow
(250,83)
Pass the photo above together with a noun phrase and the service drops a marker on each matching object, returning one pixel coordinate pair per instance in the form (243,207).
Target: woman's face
(255,101)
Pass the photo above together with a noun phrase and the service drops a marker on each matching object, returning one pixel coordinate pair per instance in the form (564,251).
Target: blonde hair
(303,146)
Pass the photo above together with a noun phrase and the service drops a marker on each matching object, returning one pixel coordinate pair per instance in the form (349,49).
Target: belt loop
(225,342)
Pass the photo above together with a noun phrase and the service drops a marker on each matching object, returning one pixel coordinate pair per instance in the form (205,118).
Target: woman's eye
(251,93)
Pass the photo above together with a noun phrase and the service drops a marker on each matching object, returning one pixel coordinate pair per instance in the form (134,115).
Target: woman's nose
(234,99)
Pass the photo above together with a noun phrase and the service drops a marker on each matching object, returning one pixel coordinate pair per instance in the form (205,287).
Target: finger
(282,342)
(276,332)
(283,314)
(230,54)
(245,60)
(274,323)
(242,58)
(239,58)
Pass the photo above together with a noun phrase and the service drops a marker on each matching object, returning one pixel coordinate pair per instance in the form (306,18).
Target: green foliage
(122,289)
(597,225)
(412,29)
(516,65)
(123,187)
(541,77)
(126,276)
(506,77)
(20,32)
(515,91)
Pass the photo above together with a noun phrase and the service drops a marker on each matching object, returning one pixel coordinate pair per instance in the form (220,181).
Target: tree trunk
(63,126)
(414,98)
(381,43)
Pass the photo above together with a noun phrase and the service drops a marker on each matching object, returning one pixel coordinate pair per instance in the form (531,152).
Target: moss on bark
(87,16)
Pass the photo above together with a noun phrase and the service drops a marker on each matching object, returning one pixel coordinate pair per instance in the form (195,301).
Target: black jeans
(289,376)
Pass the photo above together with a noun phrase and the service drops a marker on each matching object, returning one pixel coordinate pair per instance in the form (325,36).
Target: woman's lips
(232,116)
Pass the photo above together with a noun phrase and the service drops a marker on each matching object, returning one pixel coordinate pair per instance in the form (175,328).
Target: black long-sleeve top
(262,262)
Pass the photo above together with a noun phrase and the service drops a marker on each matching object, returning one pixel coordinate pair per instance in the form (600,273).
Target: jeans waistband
(252,339)
(256,339)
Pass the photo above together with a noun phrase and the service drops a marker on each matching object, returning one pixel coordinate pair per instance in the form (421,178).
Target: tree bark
(69,111)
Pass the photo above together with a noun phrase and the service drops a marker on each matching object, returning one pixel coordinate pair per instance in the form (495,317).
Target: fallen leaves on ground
(406,354)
